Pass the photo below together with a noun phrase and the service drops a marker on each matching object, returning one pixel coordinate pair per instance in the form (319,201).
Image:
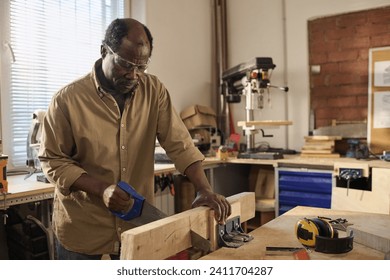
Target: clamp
(232,235)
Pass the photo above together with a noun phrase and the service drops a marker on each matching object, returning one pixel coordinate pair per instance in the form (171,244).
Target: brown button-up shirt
(84,132)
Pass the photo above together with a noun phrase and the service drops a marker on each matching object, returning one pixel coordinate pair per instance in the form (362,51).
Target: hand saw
(142,211)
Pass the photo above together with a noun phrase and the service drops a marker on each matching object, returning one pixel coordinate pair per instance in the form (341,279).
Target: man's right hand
(114,198)
(117,199)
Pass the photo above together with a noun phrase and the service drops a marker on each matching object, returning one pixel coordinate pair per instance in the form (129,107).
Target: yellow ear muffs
(319,233)
(306,230)
(325,228)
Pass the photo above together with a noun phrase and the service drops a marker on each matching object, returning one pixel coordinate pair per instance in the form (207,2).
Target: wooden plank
(318,147)
(264,123)
(374,234)
(320,155)
(316,151)
(322,137)
(166,237)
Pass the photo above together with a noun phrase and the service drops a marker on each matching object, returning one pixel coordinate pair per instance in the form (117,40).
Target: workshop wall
(277,28)
(182,54)
(338,57)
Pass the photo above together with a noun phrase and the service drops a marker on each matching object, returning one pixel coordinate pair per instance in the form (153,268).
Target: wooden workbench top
(304,162)
(17,184)
(170,167)
(280,232)
(298,161)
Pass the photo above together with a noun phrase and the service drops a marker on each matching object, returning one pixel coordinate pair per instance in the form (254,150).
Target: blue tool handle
(135,211)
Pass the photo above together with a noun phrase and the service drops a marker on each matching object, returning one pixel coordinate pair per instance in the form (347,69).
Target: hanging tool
(171,185)
(142,212)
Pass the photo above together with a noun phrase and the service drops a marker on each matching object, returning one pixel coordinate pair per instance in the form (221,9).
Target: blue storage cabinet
(296,187)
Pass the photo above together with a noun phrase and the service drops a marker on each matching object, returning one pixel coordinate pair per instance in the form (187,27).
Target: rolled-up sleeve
(57,145)
(174,137)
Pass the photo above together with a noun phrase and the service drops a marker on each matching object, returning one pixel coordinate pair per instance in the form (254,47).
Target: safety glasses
(128,65)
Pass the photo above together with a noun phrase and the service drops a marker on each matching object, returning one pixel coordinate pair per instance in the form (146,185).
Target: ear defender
(320,234)
(307,230)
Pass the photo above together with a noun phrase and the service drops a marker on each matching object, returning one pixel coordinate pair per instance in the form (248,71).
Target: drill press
(251,79)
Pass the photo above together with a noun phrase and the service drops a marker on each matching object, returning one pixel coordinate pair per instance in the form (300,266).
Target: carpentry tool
(232,235)
(282,249)
(33,145)
(251,79)
(299,253)
(200,243)
(142,212)
(385,156)
(3,174)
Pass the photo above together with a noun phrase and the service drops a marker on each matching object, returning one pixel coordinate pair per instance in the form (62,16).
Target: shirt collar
(101,91)
(99,88)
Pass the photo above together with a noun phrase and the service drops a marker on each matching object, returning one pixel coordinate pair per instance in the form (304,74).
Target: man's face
(123,68)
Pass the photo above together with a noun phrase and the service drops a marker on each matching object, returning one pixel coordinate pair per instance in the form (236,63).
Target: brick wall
(340,46)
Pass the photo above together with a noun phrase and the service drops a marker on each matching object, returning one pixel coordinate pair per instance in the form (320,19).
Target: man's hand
(117,199)
(215,201)
(113,196)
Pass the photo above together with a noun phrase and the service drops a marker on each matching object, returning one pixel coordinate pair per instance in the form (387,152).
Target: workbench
(280,233)
(30,190)
(23,191)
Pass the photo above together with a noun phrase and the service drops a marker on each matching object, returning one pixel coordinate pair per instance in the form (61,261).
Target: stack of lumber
(320,146)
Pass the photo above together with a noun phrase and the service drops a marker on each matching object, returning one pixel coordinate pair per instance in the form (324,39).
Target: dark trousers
(63,254)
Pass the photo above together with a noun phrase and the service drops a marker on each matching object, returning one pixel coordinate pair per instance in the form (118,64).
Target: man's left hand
(215,201)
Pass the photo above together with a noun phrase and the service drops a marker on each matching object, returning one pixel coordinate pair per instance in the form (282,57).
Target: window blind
(54,42)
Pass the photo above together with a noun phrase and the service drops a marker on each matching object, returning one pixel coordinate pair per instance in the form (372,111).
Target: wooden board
(166,237)
(374,234)
(320,155)
(316,151)
(322,138)
(320,146)
(263,123)
(315,147)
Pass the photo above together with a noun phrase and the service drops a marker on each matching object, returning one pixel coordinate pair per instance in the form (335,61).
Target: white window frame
(6,59)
